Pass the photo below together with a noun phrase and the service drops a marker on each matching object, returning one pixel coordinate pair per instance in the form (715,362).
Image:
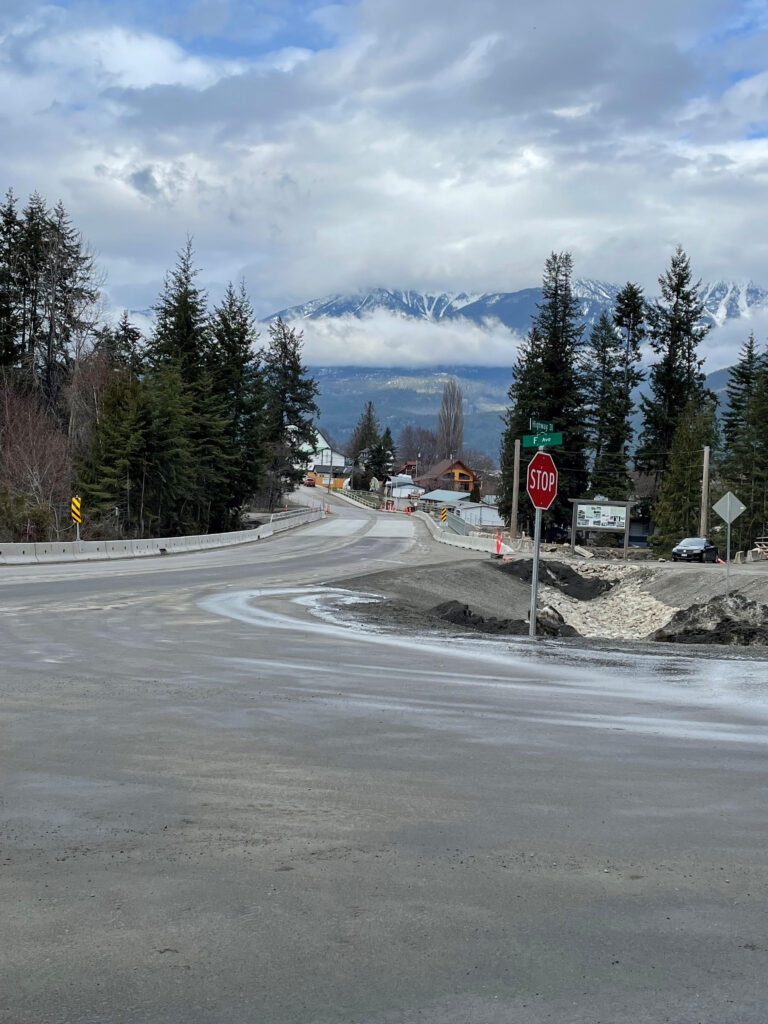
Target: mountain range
(723,300)
(404,395)
(407,395)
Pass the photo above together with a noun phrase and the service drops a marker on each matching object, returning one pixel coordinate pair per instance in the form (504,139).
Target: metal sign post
(77,517)
(535,574)
(728,508)
(542,489)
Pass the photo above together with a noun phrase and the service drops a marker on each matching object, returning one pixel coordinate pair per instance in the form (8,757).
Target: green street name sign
(541,440)
(542,426)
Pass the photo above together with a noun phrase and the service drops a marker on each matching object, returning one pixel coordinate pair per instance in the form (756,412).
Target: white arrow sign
(729,507)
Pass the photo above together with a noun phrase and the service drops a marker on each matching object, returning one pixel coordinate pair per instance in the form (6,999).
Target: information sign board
(601,517)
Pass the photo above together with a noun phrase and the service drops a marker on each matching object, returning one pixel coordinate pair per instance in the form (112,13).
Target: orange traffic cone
(327,510)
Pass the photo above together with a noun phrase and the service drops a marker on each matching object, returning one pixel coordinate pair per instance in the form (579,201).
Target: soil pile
(548,621)
(561,577)
(733,621)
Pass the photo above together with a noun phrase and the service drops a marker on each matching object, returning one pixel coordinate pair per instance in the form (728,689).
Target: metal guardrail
(365,498)
(457,524)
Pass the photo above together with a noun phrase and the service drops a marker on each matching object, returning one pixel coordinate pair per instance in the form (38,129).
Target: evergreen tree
(678,507)
(606,404)
(213,460)
(289,411)
(744,462)
(629,320)
(111,474)
(237,380)
(366,433)
(547,384)
(381,456)
(167,492)
(675,331)
(182,328)
(526,395)
(11,347)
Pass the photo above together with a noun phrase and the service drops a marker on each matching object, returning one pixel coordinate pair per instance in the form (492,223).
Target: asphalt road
(221,803)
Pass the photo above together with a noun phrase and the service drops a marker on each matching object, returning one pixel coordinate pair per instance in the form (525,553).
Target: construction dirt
(655,602)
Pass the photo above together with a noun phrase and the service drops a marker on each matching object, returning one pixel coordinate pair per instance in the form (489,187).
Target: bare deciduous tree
(35,467)
(450,422)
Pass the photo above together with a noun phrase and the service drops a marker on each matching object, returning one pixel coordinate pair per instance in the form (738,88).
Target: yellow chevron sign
(443,515)
(76,517)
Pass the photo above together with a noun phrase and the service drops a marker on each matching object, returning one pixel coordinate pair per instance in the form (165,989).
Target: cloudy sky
(316,148)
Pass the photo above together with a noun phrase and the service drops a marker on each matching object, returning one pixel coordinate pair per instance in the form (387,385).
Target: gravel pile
(579,585)
(734,621)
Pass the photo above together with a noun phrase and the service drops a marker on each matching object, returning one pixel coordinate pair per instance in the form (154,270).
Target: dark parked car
(695,549)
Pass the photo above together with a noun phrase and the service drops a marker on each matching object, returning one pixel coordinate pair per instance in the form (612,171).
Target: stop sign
(542,480)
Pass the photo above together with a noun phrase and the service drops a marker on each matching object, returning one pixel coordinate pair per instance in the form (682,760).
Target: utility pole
(704,494)
(515,491)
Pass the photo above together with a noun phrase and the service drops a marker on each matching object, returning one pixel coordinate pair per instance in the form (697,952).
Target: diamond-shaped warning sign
(729,507)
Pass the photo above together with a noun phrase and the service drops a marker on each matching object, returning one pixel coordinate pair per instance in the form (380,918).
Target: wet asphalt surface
(220,801)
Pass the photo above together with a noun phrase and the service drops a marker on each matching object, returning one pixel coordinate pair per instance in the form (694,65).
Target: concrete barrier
(87,550)
(10,554)
(55,551)
(455,541)
(68,551)
(118,548)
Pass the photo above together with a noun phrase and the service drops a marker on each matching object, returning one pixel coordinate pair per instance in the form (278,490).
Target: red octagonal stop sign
(542,480)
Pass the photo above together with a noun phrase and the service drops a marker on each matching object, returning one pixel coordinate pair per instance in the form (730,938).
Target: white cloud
(116,56)
(386,339)
(427,147)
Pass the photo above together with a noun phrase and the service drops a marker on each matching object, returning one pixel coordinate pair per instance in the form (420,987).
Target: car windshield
(692,542)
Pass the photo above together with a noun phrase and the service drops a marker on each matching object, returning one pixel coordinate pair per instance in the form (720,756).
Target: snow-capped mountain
(723,300)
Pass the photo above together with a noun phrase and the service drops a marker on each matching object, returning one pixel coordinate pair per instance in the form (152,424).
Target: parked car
(309,482)
(695,549)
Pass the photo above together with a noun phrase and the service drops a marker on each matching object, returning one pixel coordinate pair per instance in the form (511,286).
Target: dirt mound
(733,621)
(548,621)
(557,575)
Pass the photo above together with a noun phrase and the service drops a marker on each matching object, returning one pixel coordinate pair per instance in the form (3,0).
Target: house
(449,475)
(442,499)
(322,456)
(402,486)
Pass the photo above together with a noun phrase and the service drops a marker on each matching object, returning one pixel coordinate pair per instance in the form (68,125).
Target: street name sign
(541,426)
(542,440)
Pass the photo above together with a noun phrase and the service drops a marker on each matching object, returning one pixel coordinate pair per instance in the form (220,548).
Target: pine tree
(629,320)
(167,492)
(675,331)
(547,384)
(110,476)
(381,456)
(744,462)
(678,507)
(11,347)
(289,412)
(607,420)
(182,328)
(237,380)
(366,433)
